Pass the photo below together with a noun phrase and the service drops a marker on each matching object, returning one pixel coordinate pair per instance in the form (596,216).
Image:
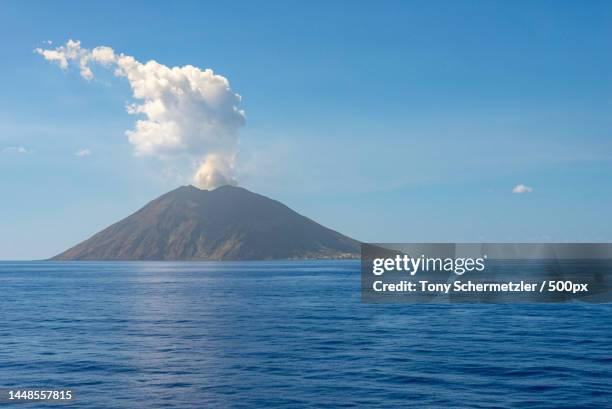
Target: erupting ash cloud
(185,112)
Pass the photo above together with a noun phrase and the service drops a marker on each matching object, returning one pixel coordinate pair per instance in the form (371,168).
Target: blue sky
(395,121)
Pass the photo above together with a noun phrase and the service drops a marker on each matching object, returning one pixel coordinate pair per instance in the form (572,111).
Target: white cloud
(71,52)
(186,113)
(83,152)
(15,149)
(520,189)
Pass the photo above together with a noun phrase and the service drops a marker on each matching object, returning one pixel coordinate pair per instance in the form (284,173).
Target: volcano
(227,223)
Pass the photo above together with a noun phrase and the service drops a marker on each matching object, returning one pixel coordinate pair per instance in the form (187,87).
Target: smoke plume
(185,113)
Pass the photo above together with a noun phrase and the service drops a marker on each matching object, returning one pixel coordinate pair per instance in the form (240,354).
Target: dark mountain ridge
(227,223)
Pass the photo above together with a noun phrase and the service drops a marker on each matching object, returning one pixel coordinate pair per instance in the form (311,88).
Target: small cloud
(520,189)
(15,149)
(83,152)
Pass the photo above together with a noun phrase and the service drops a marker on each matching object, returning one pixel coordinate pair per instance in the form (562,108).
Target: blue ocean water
(285,334)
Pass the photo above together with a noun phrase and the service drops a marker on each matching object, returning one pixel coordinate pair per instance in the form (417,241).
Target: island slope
(228,223)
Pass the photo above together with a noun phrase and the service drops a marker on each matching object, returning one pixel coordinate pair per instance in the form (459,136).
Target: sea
(285,334)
